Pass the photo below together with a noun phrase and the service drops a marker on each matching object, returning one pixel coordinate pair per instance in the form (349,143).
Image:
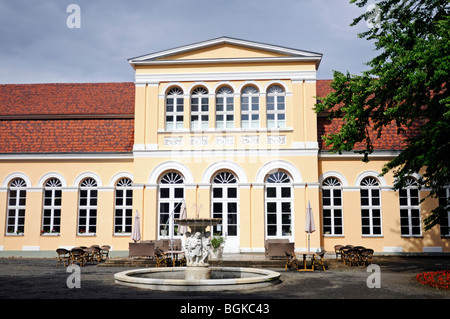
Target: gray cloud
(37,47)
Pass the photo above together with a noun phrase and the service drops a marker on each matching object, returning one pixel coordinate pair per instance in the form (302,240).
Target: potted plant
(217,243)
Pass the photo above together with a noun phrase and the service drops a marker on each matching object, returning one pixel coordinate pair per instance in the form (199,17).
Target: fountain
(197,275)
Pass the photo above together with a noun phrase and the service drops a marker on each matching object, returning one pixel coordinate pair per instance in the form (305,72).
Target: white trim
(170,165)
(31,248)
(393,249)
(47,176)
(14,175)
(226,40)
(225,76)
(221,165)
(370,173)
(171,85)
(225,83)
(248,153)
(336,174)
(198,84)
(85,175)
(117,176)
(273,166)
(279,82)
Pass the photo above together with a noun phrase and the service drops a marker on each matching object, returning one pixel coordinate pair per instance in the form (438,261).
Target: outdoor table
(310,253)
(173,253)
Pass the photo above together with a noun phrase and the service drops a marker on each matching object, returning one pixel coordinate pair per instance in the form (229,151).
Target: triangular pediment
(225,49)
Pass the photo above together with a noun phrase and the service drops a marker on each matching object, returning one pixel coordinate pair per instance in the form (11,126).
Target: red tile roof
(67,98)
(66,118)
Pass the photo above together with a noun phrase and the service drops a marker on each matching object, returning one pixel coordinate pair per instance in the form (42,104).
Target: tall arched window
(174,109)
(170,196)
(370,207)
(51,216)
(276,107)
(87,207)
(332,207)
(199,109)
(17,195)
(279,202)
(250,107)
(123,214)
(410,221)
(224,108)
(225,201)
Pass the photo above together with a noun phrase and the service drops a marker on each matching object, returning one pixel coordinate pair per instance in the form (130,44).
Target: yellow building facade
(228,126)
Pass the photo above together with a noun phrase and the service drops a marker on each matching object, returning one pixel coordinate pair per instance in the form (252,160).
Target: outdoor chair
(142,249)
(63,256)
(366,257)
(318,260)
(352,257)
(344,253)
(105,251)
(78,256)
(291,260)
(162,258)
(337,250)
(97,253)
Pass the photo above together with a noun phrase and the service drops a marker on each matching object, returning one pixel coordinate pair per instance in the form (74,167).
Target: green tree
(407,86)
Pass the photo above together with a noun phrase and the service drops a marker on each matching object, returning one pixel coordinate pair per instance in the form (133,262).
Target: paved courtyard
(39,278)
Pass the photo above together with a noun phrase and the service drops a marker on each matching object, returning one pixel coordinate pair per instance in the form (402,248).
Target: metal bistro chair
(337,251)
(105,251)
(161,258)
(318,260)
(291,260)
(63,256)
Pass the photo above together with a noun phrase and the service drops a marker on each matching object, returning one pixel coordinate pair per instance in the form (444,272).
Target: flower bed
(435,279)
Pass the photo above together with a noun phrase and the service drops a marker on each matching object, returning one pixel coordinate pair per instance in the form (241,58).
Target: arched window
(224,108)
(87,207)
(370,207)
(279,202)
(123,214)
(332,207)
(174,109)
(410,221)
(276,107)
(17,194)
(225,201)
(170,196)
(51,216)
(250,107)
(199,109)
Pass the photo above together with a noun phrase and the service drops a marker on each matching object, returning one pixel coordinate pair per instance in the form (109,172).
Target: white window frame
(279,180)
(174,97)
(200,100)
(88,185)
(225,181)
(17,195)
(170,182)
(225,99)
(332,184)
(409,208)
(250,98)
(124,205)
(276,107)
(54,187)
(371,184)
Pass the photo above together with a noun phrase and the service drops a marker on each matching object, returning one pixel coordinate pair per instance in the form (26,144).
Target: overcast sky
(36,46)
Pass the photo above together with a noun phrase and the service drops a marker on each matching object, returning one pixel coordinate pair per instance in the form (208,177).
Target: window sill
(228,130)
(87,235)
(14,234)
(50,234)
(122,234)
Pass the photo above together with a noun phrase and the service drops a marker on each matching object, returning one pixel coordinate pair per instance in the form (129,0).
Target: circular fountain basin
(222,278)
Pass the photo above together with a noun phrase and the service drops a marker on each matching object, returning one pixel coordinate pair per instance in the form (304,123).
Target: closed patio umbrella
(309,224)
(136,234)
(182,229)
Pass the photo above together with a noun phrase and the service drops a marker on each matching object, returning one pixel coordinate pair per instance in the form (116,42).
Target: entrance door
(225,205)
